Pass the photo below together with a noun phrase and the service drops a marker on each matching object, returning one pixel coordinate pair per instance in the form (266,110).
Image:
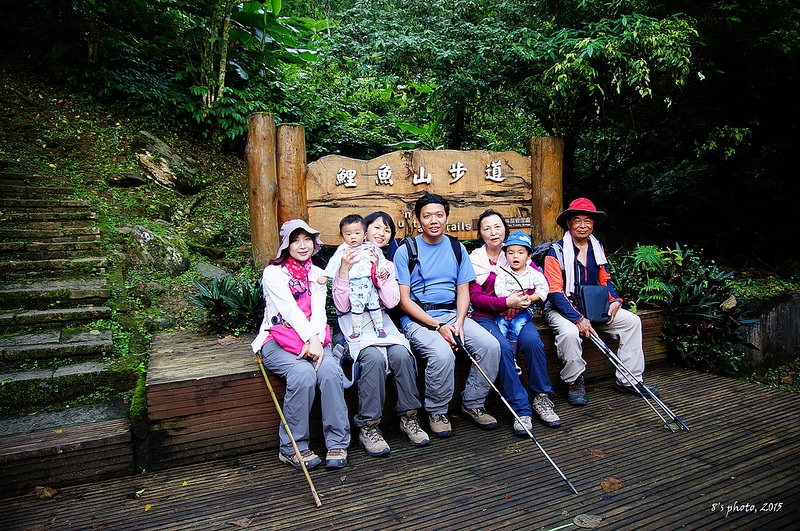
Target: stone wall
(777,334)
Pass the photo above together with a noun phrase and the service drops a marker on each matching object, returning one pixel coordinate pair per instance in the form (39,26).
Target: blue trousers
(533,355)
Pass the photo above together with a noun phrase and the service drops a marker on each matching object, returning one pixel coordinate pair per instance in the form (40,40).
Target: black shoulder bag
(592,300)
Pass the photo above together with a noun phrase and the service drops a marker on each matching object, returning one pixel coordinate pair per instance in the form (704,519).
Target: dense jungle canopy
(680,118)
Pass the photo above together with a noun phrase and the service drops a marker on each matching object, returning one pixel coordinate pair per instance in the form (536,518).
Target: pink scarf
(298,283)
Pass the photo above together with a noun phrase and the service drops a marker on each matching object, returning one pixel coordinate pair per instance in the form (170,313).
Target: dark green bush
(232,306)
(702,317)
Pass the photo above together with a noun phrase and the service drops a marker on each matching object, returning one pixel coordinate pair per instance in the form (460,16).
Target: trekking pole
(289,433)
(643,389)
(460,345)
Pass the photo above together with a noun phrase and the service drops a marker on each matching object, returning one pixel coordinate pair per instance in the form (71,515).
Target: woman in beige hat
(294,344)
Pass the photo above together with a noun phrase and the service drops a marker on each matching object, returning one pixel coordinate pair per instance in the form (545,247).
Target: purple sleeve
(484,301)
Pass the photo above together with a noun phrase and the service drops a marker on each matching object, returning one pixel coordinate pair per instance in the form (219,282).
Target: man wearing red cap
(579,260)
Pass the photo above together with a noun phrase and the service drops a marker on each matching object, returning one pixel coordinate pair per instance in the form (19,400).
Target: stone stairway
(53,294)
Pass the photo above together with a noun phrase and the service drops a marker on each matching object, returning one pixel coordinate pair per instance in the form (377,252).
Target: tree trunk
(262,184)
(546,180)
(223,52)
(291,156)
(93,40)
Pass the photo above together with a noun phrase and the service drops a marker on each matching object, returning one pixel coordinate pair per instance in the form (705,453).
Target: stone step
(31,186)
(15,189)
(65,224)
(55,344)
(42,294)
(27,217)
(59,382)
(49,319)
(55,268)
(51,235)
(42,205)
(45,251)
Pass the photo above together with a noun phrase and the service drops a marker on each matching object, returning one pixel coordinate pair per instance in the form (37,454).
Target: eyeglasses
(581,221)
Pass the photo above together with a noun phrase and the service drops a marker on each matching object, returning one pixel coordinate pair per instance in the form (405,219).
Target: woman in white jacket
(294,343)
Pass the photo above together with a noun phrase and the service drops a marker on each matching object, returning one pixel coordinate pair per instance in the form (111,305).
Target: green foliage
(138,406)
(785,377)
(232,305)
(755,286)
(702,318)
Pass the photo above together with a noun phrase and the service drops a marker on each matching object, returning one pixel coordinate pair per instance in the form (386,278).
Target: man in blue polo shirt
(435,299)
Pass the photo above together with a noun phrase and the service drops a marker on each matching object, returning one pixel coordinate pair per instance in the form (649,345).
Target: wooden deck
(736,469)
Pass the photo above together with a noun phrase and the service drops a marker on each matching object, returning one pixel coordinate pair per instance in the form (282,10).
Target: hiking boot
(519,427)
(480,417)
(336,458)
(310,459)
(371,439)
(440,424)
(409,424)
(638,390)
(543,407)
(577,393)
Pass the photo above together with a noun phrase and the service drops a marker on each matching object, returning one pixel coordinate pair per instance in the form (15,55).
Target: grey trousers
(372,382)
(302,382)
(626,326)
(440,368)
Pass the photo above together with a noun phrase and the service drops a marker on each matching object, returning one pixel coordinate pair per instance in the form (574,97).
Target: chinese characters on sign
(384,175)
(493,171)
(457,171)
(421,177)
(346,177)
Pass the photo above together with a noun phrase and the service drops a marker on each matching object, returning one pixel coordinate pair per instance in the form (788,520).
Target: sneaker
(440,424)
(381,333)
(543,407)
(371,439)
(336,458)
(409,424)
(480,417)
(577,393)
(519,427)
(310,459)
(355,335)
(638,390)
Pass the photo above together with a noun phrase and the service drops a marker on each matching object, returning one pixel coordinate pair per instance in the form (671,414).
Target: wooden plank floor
(743,449)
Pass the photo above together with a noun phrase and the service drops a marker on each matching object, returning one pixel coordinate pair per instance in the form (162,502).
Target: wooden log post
(262,184)
(291,150)
(546,187)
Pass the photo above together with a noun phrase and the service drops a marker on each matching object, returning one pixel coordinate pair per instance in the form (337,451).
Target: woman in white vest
(294,344)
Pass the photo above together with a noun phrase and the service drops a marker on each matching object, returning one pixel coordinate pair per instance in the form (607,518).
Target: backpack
(413,253)
(541,250)
(413,260)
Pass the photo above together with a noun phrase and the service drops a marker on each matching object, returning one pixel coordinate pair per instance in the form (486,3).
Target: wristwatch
(437,327)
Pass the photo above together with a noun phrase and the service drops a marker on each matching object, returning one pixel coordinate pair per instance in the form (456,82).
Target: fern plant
(702,320)
(246,304)
(231,305)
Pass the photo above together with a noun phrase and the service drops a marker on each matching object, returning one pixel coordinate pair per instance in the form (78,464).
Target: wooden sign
(472,181)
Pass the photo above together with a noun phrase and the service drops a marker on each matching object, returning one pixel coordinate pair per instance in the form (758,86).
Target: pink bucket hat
(292,225)
(581,206)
